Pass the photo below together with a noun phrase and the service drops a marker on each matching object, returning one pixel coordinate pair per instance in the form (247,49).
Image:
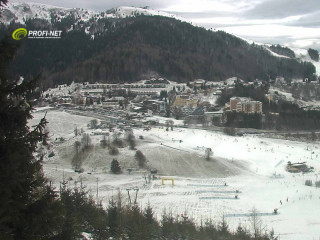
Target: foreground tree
(23,192)
(2,2)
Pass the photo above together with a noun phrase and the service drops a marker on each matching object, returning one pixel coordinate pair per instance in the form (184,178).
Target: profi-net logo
(22,32)
(19,33)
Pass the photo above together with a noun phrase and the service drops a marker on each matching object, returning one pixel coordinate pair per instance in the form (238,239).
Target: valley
(249,166)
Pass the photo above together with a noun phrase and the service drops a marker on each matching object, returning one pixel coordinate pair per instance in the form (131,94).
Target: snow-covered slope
(304,56)
(301,54)
(20,12)
(122,12)
(252,164)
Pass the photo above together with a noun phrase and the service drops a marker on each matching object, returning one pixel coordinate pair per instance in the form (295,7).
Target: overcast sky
(295,23)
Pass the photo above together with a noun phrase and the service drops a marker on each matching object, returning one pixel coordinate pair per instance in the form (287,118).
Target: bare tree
(77,158)
(256,223)
(86,140)
(105,142)
(208,153)
(113,150)
(131,140)
(116,140)
(169,123)
(76,131)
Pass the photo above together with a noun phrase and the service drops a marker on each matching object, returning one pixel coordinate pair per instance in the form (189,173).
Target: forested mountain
(109,48)
(282,51)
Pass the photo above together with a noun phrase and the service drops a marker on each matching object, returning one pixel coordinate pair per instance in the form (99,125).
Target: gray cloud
(272,9)
(197,15)
(309,20)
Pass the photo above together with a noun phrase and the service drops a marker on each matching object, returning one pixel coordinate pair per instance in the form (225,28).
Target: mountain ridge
(20,12)
(123,44)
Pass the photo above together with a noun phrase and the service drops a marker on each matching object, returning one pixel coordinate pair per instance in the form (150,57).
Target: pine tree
(148,214)
(242,232)
(223,226)
(115,166)
(113,218)
(22,185)
(72,200)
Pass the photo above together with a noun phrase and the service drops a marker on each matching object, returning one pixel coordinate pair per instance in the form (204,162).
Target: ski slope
(251,167)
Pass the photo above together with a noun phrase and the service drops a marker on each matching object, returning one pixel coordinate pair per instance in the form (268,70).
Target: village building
(184,100)
(197,116)
(246,105)
(156,106)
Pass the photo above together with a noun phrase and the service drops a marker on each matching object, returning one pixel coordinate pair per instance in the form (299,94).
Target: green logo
(19,33)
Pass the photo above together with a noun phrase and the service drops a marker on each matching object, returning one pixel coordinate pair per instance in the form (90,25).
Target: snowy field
(244,166)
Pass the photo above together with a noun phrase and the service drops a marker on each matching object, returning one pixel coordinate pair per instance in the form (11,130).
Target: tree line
(280,114)
(125,50)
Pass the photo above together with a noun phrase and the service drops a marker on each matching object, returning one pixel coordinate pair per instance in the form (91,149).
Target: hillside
(253,164)
(127,44)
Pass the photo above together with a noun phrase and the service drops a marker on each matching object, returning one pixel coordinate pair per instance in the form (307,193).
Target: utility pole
(128,190)
(135,200)
(97,188)
(136,196)
(81,182)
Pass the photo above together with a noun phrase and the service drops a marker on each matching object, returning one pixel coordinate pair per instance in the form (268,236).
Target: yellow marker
(19,33)
(167,178)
